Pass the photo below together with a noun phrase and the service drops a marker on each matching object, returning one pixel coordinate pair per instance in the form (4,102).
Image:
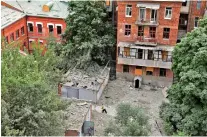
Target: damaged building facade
(147,32)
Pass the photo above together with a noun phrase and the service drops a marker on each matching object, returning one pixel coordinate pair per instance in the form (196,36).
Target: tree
(89,36)
(130,121)
(30,105)
(186,112)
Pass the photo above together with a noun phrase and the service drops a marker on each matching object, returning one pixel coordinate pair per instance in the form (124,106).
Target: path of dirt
(119,91)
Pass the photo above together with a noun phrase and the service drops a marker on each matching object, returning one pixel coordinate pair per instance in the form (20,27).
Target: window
(22,30)
(128,10)
(166,33)
(198,4)
(153,15)
(150,55)
(138,67)
(140,53)
(162,72)
(17,34)
(141,31)
(149,73)
(152,32)
(12,37)
(59,30)
(30,27)
(127,30)
(39,28)
(184,3)
(142,14)
(50,28)
(126,68)
(7,39)
(168,13)
(196,22)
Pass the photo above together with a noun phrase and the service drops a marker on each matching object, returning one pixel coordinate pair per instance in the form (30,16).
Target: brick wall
(194,12)
(172,23)
(7,31)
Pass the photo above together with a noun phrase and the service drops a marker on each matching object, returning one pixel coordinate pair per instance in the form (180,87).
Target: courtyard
(121,91)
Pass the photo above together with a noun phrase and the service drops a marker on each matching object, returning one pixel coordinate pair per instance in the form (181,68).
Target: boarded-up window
(138,70)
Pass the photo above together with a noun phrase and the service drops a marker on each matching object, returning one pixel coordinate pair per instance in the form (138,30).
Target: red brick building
(40,20)
(147,31)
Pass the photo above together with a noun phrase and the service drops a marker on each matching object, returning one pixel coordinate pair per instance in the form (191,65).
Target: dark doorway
(137,83)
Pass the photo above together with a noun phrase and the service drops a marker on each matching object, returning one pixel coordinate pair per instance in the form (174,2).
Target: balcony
(147,22)
(141,40)
(152,61)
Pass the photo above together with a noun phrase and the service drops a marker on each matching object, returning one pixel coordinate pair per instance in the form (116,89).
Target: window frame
(196,19)
(49,29)
(17,34)
(127,30)
(198,4)
(126,68)
(22,28)
(155,15)
(165,32)
(140,31)
(142,8)
(39,28)
(128,7)
(60,30)
(168,13)
(12,37)
(163,71)
(147,73)
(152,32)
(29,29)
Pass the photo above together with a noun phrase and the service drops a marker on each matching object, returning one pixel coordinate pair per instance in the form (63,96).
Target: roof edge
(11,7)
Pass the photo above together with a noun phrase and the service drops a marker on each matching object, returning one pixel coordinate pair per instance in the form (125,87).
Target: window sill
(127,16)
(166,39)
(127,35)
(168,18)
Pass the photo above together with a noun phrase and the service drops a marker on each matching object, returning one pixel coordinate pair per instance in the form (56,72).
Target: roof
(9,16)
(34,7)
(76,113)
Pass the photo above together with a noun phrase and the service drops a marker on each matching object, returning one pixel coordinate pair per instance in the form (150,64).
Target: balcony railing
(147,22)
(141,40)
(151,60)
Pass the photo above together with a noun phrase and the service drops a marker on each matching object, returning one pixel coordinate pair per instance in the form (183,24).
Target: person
(103,109)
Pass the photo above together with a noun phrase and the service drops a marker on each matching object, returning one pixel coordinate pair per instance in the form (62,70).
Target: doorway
(137,83)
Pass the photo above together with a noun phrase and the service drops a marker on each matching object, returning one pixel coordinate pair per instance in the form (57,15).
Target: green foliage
(89,36)
(130,121)
(30,105)
(187,110)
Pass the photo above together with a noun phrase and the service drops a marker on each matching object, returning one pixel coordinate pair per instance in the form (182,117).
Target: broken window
(168,13)
(17,34)
(128,10)
(141,31)
(50,28)
(126,68)
(59,30)
(12,37)
(30,27)
(152,32)
(166,33)
(162,72)
(22,30)
(150,55)
(39,27)
(127,30)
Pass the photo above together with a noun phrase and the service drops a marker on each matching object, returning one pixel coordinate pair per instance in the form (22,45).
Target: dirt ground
(120,91)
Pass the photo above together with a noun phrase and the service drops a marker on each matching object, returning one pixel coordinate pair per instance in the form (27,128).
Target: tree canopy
(89,35)
(30,105)
(129,121)
(187,110)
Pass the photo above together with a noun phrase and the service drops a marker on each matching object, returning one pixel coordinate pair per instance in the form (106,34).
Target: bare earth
(119,91)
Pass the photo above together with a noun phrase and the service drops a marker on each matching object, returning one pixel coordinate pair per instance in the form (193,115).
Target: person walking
(103,109)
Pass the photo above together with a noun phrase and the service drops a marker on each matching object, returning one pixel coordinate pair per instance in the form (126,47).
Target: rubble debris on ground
(90,78)
(146,97)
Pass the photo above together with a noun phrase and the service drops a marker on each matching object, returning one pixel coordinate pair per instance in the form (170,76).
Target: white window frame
(130,8)
(28,26)
(144,13)
(39,23)
(60,25)
(50,24)
(154,15)
(168,11)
